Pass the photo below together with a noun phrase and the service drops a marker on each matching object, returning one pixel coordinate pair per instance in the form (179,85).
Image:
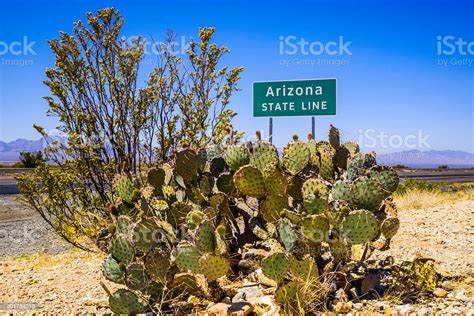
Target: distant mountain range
(10,152)
(428,159)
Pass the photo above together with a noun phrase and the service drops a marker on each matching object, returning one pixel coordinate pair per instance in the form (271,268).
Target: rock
(380,306)
(447,285)
(233,309)
(425,311)
(358,306)
(439,292)
(248,292)
(262,279)
(404,309)
(420,222)
(265,303)
(343,307)
(450,311)
(460,296)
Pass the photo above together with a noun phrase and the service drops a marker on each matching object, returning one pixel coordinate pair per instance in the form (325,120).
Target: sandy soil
(444,233)
(63,281)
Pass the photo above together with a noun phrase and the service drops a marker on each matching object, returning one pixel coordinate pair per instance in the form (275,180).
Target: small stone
(439,292)
(358,306)
(262,279)
(460,296)
(381,305)
(469,280)
(447,285)
(247,292)
(219,309)
(405,309)
(425,311)
(451,310)
(343,307)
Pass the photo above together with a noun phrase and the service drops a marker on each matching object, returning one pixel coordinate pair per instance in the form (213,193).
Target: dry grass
(419,199)
(42,260)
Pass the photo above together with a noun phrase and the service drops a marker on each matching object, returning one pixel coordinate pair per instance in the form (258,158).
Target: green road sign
(294,98)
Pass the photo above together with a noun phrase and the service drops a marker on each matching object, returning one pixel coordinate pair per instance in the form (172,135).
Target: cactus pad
(275,181)
(124,187)
(213,267)
(187,164)
(386,177)
(305,270)
(272,206)
(367,194)
(126,302)
(340,251)
(326,155)
(225,183)
(296,156)
(315,228)
(360,226)
(264,155)
(352,147)
(206,240)
(157,264)
(156,177)
(135,277)
(341,190)
(236,156)
(389,227)
(315,196)
(218,166)
(288,293)
(287,235)
(275,267)
(187,259)
(112,271)
(249,181)
(143,237)
(121,249)
(123,225)
(295,184)
(334,138)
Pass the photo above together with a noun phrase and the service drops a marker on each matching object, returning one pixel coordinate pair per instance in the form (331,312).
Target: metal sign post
(270,129)
(313,126)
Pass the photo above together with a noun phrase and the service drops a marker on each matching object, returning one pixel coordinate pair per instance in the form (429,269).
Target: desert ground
(39,273)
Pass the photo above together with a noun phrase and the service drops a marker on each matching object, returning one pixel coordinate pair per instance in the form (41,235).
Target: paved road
(450,176)
(9,186)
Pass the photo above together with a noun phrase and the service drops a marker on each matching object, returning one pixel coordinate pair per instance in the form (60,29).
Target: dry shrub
(419,199)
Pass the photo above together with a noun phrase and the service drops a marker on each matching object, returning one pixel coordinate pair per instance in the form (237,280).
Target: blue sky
(391,84)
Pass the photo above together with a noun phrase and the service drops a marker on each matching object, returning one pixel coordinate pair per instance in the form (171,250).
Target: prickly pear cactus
(182,228)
